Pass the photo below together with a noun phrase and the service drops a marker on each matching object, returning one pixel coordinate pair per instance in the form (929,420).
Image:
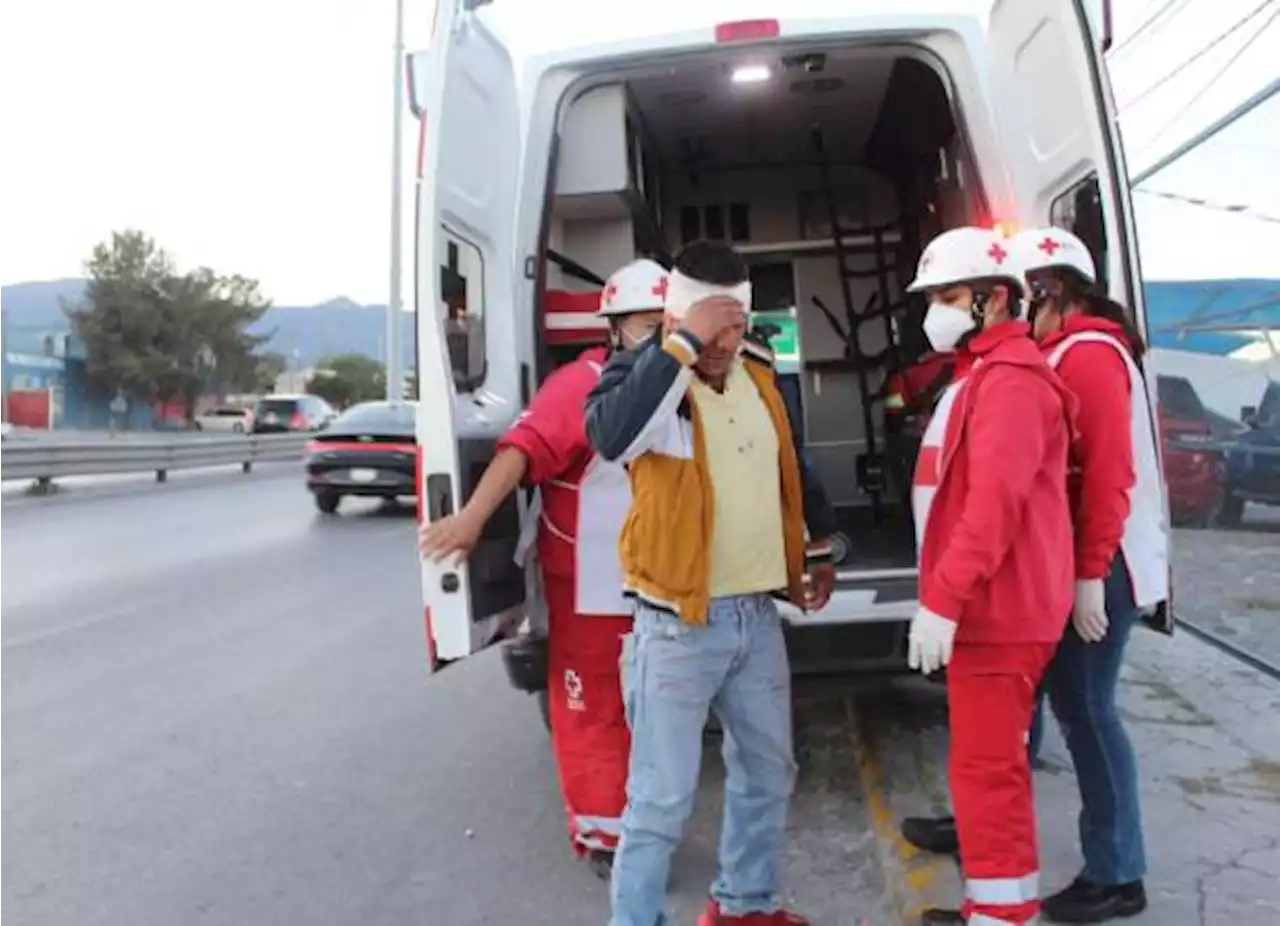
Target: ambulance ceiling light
(751,74)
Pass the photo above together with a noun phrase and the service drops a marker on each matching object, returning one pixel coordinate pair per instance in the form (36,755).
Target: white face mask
(625,340)
(944,326)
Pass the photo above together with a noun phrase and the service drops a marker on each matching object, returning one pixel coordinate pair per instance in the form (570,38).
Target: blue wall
(86,406)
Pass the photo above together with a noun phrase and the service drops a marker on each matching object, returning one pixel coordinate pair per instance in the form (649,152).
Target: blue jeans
(1035,736)
(1081,684)
(673,673)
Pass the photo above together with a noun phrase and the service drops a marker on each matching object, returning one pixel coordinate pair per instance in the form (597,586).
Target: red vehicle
(1194,463)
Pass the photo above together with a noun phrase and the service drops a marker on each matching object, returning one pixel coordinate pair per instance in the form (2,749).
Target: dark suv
(1253,462)
(279,413)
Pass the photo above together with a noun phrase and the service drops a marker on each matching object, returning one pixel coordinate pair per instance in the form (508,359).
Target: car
(1194,467)
(279,413)
(225,418)
(1253,461)
(369,450)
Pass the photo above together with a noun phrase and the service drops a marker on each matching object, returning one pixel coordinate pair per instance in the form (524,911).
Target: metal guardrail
(46,462)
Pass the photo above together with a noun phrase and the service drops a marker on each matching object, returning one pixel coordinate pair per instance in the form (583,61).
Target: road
(216,710)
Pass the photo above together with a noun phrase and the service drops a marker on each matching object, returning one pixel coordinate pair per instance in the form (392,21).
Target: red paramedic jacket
(552,435)
(997,553)
(908,387)
(1102,471)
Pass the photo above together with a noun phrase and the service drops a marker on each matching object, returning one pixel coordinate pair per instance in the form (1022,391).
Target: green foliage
(346,379)
(157,334)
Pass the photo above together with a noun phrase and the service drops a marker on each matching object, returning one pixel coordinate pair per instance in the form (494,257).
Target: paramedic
(1121,561)
(716,528)
(993,527)
(911,392)
(909,397)
(583,502)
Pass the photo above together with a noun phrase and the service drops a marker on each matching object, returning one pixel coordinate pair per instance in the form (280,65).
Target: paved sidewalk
(1207,732)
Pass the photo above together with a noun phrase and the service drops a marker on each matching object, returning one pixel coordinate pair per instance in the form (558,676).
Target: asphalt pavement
(217,710)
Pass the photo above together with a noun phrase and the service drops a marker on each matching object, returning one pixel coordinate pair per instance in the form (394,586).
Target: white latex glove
(1090,612)
(930,641)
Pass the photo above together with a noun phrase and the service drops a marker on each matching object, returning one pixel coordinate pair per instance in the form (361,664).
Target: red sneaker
(712,916)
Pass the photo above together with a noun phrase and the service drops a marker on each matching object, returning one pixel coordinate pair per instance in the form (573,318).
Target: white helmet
(1042,248)
(964,254)
(640,286)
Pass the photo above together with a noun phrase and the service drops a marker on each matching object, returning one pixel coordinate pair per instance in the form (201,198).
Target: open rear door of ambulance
(1060,133)
(464,94)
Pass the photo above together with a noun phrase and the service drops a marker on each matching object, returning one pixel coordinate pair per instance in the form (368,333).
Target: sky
(254,136)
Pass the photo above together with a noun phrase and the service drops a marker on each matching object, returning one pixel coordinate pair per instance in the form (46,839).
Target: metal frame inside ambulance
(1031,156)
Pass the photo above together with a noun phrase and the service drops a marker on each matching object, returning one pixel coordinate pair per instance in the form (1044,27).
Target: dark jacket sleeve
(638,393)
(819,516)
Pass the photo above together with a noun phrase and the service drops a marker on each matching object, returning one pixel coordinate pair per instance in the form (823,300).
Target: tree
(345,379)
(156,334)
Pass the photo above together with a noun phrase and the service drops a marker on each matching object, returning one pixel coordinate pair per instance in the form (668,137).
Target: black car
(279,413)
(1253,462)
(368,450)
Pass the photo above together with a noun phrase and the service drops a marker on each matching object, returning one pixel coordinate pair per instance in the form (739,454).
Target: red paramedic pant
(588,726)
(990,695)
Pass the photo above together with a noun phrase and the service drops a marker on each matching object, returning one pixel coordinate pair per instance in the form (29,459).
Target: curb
(914,880)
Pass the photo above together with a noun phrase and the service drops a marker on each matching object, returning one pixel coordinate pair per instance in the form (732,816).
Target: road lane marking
(101,617)
(910,874)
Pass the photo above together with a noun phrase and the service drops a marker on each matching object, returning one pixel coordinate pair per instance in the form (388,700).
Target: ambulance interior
(827,168)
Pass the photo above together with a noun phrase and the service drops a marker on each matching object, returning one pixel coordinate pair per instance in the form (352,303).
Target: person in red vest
(1121,562)
(909,397)
(911,392)
(583,502)
(993,527)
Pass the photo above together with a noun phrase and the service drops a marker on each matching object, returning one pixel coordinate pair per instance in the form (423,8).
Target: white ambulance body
(929,114)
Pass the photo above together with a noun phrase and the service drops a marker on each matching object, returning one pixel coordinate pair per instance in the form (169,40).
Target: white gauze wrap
(683,292)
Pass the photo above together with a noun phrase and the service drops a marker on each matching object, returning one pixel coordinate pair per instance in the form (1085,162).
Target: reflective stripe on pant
(588,727)
(990,694)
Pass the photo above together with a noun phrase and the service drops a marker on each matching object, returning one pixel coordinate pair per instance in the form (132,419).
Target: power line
(1236,27)
(1236,56)
(1140,31)
(1238,209)
(1210,131)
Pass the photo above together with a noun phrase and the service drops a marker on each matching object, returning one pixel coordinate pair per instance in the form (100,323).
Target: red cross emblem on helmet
(1049,246)
(610,292)
(660,288)
(997,253)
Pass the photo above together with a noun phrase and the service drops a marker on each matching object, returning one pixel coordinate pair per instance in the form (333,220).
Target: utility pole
(395,313)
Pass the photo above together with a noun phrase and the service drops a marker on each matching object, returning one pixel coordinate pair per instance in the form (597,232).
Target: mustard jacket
(640,415)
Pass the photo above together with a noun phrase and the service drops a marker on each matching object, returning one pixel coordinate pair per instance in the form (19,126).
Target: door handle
(439,492)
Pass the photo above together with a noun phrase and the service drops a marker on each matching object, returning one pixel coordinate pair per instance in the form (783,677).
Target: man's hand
(930,642)
(455,536)
(1090,612)
(708,318)
(819,582)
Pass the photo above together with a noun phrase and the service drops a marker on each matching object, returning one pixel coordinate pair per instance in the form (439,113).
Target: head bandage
(683,292)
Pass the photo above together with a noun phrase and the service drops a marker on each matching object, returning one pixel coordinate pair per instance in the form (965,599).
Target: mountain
(339,326)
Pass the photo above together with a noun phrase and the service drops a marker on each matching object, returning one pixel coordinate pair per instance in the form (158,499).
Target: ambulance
(827,149)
